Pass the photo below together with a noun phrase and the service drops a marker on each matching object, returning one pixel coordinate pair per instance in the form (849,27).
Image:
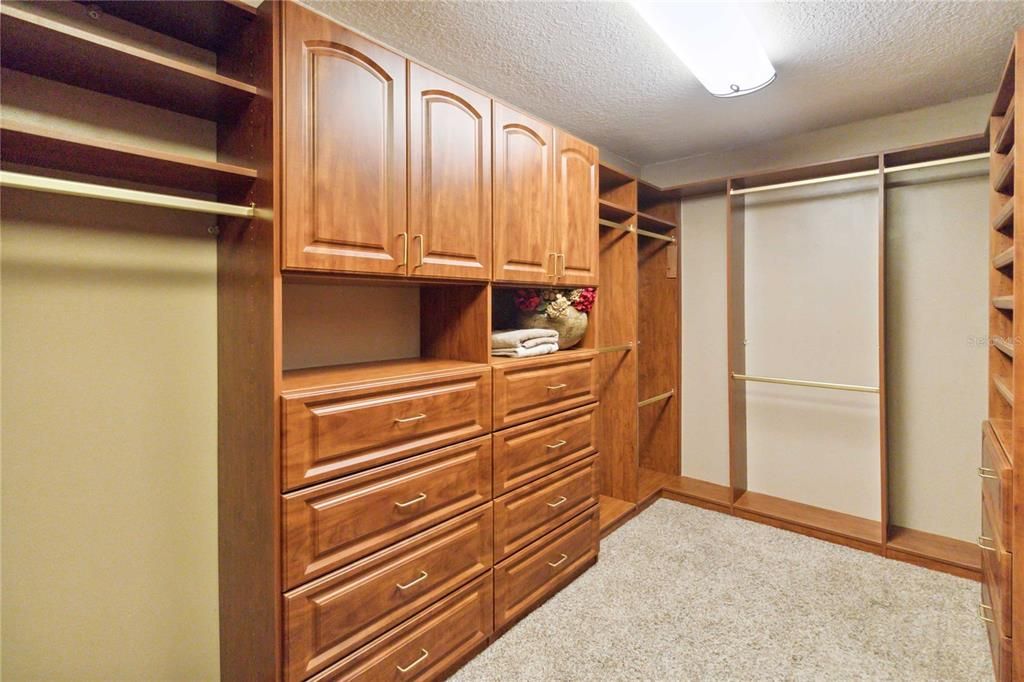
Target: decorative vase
(571,325)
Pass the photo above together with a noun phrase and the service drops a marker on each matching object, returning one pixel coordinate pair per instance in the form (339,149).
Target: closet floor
(680,593)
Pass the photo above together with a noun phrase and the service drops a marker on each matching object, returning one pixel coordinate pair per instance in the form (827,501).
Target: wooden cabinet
(523,198)
(530,451)
(343,104)
(449,178)
(576,233)
(996,568)
(536,387)
(997,484)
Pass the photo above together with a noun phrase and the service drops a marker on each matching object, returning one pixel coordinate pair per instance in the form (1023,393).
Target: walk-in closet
(510,340)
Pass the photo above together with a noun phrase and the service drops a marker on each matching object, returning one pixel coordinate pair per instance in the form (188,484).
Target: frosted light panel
(715,41)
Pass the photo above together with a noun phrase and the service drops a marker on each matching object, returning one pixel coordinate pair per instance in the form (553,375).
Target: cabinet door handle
(419,238)
(986,472)
(561,500)
(553,265)
(405,249)
(409,503)
(555,446)
(415,663)
(559,562)
(414,418)
(560,272)
(981,613)
(556,387)
(982,542)
(423,576)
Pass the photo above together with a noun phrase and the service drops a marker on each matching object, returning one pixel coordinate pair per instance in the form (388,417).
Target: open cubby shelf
(1004,138)
(1004,178)
(966,555)
(1003,221)
(647,221)
(1002,386)
(1003,259)
(610,210)
(1003,302)
(207,24)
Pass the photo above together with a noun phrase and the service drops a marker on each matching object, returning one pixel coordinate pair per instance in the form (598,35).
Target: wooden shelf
(542,359)
(815,518)
(1003,302)
(614,512)
(1003,259)
(1003,429)
(1004,138)
(1003,345)
(209,25)
(612,211)
(316,377)
(611,177)
(1004,180)
(646,221)
(1004,389)
(945,550)
(49,49)
(69,151)
(1004,220)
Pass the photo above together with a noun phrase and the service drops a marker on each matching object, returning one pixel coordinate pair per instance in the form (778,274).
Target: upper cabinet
(449,178)
(523,198)
(344,149)
(576,233)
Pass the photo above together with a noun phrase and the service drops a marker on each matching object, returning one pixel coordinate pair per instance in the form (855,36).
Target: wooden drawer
(332,524)
(997,483)
(526,579)
(1000,646)
(536,387)
(427,645)
(995,568)
(333,616)
(529,451)
(335,430)
(522,516)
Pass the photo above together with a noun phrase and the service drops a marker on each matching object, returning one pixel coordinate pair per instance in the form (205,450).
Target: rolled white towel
(523,352)
(516,338)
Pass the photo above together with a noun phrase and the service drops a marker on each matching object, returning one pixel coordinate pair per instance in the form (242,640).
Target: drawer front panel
(997,482)
(336,523)
(428,645)
(530,451)
(332,432)
(333,616)
(995,568)
(524,580)
(526,514)
(523,392)
(1000,645)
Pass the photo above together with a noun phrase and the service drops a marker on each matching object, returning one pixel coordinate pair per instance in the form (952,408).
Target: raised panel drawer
(522,516)
(530,451)
(995,568)
(336,430)
(997,483)
(526,579)
(536,387)
(335,615)
(336,523)
(427,645)
(1000,645)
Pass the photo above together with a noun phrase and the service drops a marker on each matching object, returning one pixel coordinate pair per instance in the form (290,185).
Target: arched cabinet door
(343,167)
(449,178)
(576,171)
(524,246)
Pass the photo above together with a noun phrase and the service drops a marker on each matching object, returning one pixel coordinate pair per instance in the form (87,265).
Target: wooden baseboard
(614,513)
(936,552)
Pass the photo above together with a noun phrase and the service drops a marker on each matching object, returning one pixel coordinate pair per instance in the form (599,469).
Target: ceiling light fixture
(715,41)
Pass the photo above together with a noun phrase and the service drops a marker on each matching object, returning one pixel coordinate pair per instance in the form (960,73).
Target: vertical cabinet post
(575,235)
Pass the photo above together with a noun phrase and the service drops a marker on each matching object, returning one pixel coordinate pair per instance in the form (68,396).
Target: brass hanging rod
(801,382)
(938,162)
(657,398)
(614,225)
(615,349)
(89,190)
(655,235)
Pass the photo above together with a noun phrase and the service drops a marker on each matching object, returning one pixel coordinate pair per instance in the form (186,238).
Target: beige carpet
(681,593)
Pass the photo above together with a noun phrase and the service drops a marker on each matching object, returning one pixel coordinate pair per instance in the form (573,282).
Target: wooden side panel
(449,178)
(523,198)
(455,323)
(576,178)
(737,345)
(343,170)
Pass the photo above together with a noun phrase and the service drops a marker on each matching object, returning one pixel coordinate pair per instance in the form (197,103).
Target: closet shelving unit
(1002,598)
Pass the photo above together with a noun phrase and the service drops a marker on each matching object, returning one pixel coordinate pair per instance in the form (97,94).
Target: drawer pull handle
(560,500)
(423,576)
(986,472)
(981,613)
(555,446)
(559,562)
(414,418)
(415,663)
(982,540)
(418,498)
(557,387)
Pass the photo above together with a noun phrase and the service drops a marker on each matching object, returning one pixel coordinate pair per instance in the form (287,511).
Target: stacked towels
(523,343)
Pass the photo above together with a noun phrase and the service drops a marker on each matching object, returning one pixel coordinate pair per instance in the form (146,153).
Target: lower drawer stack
(996,543)
(411,535)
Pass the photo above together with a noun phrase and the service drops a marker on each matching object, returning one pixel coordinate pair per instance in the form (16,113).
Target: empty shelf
(70,151)
(1004,389)
(1003,345)
(1003,429)
(1004,180)
(209,25)
(1003,302)
(651,222)
(50,49)
(609,210)
(1003,259)
(1004,219)
(1004,138)
(816,518)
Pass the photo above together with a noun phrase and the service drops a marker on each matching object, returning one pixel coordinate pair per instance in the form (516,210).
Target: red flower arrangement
(554,301)
(526,299)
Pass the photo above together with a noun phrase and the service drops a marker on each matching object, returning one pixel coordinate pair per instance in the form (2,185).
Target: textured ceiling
(595,69)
